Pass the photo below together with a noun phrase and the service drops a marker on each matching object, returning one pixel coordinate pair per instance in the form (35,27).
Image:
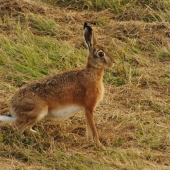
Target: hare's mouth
(109,65)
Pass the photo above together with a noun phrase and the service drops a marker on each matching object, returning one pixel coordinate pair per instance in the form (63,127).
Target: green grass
(163,54)
(116,6)
(146,10)
(43,26)
(31,57)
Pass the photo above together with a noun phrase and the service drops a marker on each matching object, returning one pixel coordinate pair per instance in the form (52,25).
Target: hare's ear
(89,37)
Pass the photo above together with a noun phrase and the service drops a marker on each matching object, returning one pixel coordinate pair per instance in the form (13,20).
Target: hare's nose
(114,61)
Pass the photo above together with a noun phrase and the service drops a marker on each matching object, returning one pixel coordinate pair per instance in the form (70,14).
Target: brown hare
(62,95)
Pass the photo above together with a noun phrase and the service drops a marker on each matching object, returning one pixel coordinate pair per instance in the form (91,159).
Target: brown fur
(83,88)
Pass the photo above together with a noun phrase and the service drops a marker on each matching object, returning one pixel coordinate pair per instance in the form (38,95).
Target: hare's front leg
(91,128)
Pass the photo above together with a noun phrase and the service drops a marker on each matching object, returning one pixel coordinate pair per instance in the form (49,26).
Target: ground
(40,38)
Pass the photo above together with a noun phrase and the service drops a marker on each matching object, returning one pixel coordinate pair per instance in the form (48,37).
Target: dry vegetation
(133,120)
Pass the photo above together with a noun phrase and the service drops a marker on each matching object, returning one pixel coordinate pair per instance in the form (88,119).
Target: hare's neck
(98,72)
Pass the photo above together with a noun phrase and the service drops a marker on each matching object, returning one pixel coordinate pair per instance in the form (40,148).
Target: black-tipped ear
(88,34)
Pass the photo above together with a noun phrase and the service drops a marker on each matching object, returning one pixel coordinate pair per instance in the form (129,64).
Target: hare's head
(98,56)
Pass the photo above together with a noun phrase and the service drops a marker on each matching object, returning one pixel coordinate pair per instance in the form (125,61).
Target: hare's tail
(7,118)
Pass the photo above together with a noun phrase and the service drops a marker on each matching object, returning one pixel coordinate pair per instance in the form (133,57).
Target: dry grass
(133,120)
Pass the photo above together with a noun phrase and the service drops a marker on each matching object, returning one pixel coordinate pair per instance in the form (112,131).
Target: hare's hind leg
(29,122)
(37,115)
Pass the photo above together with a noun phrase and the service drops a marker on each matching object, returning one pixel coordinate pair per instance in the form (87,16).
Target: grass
(133,120)
(146,10)
(23,55)
(92,4)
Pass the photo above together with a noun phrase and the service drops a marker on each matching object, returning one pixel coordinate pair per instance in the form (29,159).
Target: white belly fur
(64,112)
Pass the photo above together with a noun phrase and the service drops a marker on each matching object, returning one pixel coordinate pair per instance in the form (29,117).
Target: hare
(62,95)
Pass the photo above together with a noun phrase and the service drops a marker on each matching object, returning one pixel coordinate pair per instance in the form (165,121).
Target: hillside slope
(39,38)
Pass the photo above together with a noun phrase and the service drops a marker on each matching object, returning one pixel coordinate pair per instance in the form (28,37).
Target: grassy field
(40,38)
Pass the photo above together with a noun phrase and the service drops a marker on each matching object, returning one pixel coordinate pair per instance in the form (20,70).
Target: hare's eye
(100,54)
